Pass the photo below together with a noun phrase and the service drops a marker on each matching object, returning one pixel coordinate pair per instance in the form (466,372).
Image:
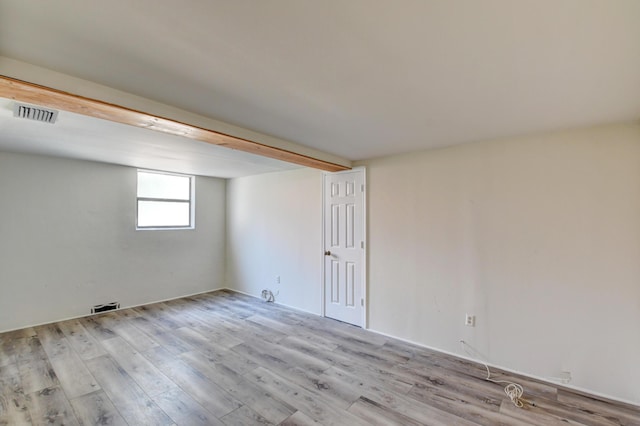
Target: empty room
(342,212)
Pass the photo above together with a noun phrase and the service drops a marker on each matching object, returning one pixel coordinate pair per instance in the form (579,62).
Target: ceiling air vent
(36,113)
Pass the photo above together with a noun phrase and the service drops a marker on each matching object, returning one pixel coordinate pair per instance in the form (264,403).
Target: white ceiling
(86,138)
(356,78)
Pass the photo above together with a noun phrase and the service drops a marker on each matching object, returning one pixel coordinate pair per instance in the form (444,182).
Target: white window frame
(192,202)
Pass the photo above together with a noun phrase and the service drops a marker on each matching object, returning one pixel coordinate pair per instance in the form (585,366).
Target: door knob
(327,253)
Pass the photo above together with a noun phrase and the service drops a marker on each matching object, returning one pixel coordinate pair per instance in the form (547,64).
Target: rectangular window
(165,200)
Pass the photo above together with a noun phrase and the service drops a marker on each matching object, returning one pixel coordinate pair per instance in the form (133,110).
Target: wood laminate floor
(223,358)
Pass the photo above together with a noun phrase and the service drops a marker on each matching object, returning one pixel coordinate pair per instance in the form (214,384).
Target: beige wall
(538,237)
(68,241)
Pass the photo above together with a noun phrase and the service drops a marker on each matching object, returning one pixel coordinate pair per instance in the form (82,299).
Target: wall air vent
(105,307)
(36,113)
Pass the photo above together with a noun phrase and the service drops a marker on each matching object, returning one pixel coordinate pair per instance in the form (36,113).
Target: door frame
(365,254)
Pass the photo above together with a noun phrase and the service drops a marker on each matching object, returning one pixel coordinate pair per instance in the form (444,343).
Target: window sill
(179,228)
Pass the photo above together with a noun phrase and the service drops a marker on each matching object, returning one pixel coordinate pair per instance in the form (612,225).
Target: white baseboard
(586,392)
(119,309)
(276,302)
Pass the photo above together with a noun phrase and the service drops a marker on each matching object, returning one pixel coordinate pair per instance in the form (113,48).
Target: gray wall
(68,241)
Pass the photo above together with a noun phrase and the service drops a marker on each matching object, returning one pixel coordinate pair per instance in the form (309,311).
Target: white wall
(274,225)
(68,241)
(538,237)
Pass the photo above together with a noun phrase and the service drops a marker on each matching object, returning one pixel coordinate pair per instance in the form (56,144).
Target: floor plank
(98,327)
(7,350)
(28,350)
(299,419)
(312,405)
(133,404)
(96,409)
(184,410)
(81,340)
(376,414)
(223,358)
(394,401)
(133,335)
(37,375)
(201,388)
(616,412)
(74,377)
(50,406)
(244,416)
(13,401)
(249,394)
(145,374)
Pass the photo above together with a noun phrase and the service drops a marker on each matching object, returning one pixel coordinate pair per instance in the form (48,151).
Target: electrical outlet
(470,320)
(277,279)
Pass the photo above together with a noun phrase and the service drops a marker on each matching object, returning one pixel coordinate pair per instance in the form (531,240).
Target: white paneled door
(344,246)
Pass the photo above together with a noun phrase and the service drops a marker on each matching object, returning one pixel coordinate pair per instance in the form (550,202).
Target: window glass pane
(155,185)
(162,213)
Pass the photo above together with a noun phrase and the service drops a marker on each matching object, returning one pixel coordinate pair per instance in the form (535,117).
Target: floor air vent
(106,307)
(36,113)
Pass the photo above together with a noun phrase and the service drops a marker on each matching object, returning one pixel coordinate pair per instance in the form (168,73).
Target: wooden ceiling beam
(47,97)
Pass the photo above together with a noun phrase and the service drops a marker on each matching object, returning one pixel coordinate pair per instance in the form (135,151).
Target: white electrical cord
(268,296)
(513,390)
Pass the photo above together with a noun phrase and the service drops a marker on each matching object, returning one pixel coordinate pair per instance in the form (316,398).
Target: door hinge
(362,187)
(361,302)
(361,244)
